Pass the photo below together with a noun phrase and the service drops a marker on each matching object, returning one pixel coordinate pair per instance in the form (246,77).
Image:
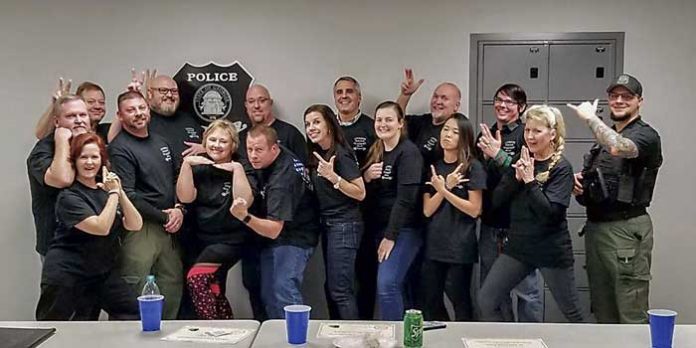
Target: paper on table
(334,330)
(503,343)
(208,335)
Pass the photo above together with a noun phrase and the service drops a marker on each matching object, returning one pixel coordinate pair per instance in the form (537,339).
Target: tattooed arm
(617,144)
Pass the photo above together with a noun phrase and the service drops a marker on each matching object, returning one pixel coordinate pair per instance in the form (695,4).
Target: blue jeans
(507,272)
(392,272)
(282,270)
(340,243)
(528,292)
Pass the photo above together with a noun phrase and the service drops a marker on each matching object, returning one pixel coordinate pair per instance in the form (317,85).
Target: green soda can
(413,329)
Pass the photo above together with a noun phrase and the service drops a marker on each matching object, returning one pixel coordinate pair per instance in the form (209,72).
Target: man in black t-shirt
(49,167)
(358,128)
(424,130)
(286,217)
(148,171)
(259,108)
(499,143)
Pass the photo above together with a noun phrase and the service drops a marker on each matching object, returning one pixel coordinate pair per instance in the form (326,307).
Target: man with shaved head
(259,108)
(424,130)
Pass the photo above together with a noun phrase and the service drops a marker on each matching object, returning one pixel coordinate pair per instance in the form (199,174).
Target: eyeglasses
(166,90)
(623,96)
(506,102)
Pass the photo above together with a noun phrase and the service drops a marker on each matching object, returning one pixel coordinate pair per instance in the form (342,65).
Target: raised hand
(373,172)
(325,169)
(436,181)
(489,144)
(137,81)
(524,168)
(408,85)
(197,160)
(585,110)
(63,89)
(110,181)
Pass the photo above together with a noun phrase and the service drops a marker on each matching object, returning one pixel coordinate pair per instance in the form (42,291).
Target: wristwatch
(338,182)
(246,219)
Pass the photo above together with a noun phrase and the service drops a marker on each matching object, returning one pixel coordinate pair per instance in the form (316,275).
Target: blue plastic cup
(151,311)
(661,327)
(297,323)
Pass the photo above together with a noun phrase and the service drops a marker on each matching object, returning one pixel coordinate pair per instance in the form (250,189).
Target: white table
(126,334)
(273,335)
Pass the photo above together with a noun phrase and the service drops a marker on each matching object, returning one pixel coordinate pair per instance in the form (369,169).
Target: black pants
(366,277)
(251,278)
(435,275)
(78,298)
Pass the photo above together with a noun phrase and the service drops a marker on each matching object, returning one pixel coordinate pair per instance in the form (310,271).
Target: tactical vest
(608,179)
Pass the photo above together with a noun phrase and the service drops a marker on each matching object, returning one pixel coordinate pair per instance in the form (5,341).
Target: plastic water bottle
(150,288)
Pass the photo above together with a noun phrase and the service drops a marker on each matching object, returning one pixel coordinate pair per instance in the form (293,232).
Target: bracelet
(114,191)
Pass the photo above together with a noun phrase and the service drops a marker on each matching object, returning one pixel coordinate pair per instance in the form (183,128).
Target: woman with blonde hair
(538,186)
(210,183)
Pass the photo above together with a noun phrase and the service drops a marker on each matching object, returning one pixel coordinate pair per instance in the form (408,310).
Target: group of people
(394,201)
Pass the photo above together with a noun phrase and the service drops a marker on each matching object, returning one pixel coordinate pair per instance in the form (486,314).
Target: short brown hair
(58,104)
(89,86)
(266,131)
(129,95)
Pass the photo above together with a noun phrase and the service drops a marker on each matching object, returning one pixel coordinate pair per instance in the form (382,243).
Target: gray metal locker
(580,71)
(526,65)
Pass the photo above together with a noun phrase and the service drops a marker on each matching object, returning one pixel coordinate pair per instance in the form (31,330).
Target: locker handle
(533,72)
(599,72)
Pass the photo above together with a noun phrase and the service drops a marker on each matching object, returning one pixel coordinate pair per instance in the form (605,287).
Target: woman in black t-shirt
(393,173)
(210,183)
(79,277)
(453,203)
(339,187)
(538,188)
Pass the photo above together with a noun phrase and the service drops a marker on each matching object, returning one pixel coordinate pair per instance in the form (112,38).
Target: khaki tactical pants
(153,251)
(618,268)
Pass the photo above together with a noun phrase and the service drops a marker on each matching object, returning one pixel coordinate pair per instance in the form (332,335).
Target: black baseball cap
(629,82)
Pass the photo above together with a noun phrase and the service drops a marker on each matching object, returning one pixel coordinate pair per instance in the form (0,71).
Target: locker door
(523,64)
(580,71)
(577,129)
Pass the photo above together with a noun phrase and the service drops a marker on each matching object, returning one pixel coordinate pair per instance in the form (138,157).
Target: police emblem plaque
(215,91)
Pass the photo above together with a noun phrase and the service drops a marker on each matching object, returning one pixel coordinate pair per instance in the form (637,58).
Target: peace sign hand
(137,82)
(488,144)
(325,169)
(62,90)
(408,85)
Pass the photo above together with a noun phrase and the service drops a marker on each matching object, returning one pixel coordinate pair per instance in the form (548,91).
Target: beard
(165,109)
(618,118)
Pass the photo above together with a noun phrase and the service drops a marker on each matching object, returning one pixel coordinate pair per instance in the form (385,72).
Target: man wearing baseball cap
(616,185)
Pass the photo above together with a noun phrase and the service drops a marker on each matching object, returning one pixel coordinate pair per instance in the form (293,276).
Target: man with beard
(182,131)
(147,167)
(49,165)
(424,130)
(259,108)
(616,185)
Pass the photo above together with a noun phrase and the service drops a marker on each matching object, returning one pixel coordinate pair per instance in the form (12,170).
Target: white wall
(297,48)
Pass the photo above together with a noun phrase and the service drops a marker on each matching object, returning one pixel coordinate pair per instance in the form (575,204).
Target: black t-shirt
(451,235)
(540,239)
(333,203)
(512,136)
(43,196)
(103,131)
(402,168)
(148,172)
(73,252)
(360,135)
(283,192)
(288,136)
(176,129)
(212,206)
(426,136)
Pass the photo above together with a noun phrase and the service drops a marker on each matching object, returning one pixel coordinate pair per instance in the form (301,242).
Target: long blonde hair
(552,118)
